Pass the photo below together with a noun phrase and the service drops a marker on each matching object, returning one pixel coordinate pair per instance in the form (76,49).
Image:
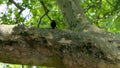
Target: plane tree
(84,36)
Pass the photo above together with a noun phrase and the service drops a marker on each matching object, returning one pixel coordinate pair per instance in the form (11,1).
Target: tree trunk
(83,46)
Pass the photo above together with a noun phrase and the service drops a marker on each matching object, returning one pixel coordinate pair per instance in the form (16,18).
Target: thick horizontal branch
(56,48)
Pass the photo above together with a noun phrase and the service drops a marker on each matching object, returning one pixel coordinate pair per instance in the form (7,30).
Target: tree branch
(56,48)
(75,18)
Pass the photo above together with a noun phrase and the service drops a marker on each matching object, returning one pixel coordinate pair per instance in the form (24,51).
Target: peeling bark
(59,48)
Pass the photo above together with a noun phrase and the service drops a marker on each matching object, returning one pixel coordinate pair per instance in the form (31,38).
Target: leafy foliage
(103,13)
(33,10)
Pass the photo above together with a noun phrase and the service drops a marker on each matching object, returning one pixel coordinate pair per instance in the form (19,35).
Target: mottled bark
(58,48)
(73,15)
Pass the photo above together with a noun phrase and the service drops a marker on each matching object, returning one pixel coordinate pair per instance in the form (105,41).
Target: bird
(53,24)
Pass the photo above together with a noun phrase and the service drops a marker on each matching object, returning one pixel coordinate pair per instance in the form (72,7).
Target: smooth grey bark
(73,14)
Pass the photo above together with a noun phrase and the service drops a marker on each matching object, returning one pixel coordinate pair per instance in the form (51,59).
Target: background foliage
(33,10)
(102,13)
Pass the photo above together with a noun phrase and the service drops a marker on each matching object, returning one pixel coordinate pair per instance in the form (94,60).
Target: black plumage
(53,24)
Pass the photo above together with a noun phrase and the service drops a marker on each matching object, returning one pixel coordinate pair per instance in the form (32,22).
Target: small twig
(19,7)
(22,66)
(46,10)
(46,13)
